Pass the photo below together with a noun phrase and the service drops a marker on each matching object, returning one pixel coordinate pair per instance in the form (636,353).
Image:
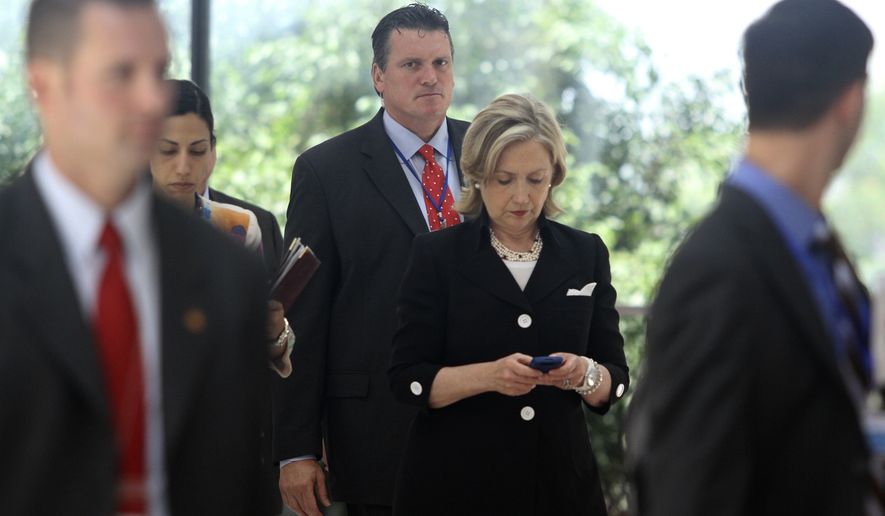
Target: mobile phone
(545,364)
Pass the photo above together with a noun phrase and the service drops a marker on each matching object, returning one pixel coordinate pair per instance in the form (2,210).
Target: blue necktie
(854,320)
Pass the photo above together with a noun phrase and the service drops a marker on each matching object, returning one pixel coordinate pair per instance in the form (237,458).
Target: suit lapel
(385,171)
(456,136)
(184,279)
(482,266)
(50,302)
(553,269)
(782,272)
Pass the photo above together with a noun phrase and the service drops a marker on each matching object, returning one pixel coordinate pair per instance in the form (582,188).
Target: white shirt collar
(79,220)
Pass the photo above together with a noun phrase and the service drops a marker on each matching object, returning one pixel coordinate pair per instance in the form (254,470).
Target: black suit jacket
(351,203)
(459,304)
(56,437)
(271,240)
(741,409)
(272,249)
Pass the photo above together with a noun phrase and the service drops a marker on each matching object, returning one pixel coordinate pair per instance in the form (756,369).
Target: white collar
(79,220)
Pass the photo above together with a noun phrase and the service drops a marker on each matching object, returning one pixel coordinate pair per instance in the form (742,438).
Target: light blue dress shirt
(796,220)
(408,144)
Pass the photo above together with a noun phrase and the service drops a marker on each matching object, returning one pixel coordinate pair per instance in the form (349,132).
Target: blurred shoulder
(727,236)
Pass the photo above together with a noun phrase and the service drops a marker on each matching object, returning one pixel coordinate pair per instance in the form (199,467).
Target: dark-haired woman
(182,162)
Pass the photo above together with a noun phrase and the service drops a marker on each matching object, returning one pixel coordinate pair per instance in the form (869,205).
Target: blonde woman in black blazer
(478,301)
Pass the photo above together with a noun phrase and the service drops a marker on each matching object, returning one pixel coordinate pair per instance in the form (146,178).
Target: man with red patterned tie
(358,200)
(129,363)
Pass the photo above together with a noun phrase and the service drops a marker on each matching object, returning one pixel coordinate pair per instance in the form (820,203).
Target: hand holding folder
(296,269)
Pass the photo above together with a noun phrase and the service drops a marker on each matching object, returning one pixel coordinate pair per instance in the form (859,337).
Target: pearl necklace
(517,256)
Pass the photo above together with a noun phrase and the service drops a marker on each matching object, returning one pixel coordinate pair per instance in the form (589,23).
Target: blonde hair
(508,119)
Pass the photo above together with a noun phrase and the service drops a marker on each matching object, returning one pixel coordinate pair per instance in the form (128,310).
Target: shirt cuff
(284,463)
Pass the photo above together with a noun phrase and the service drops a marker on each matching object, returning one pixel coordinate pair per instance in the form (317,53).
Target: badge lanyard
(438,206)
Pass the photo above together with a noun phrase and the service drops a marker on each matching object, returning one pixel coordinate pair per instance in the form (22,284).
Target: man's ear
(850,104)
(45,79)
(40,79)
(378,78)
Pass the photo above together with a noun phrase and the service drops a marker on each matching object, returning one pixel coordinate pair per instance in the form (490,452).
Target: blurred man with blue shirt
(757,361)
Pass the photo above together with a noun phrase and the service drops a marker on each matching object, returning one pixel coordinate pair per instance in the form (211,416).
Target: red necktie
(116,330)
(434,181)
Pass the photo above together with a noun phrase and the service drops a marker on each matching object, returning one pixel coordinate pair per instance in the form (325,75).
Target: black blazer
(56,437)
(271,240)
(741,409)
(272,248)
(351,203)
(491,453)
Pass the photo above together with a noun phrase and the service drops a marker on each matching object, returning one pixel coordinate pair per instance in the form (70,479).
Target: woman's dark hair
(189,98)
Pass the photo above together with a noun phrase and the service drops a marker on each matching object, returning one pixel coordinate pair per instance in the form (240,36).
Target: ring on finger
(567,383)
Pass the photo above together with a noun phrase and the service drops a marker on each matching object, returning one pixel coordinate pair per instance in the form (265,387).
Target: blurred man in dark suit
(758,360)
(358,200)
(130,364)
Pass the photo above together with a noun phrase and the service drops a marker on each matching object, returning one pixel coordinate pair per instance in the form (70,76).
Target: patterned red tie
(434,181)
(116,331)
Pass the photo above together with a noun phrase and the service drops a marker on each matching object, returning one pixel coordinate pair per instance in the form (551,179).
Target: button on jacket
(491,453)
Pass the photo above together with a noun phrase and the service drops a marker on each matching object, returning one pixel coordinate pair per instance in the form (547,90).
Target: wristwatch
(592,379)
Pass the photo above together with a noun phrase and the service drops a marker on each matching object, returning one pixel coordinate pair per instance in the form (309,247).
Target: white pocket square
(586,291)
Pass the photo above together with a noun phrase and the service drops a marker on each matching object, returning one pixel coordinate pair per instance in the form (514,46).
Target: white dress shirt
(78,221)
(521,271)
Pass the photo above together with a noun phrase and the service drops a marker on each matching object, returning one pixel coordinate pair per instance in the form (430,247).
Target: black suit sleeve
(299,399)
(606,345)
(265,499)
(690,424)
(418,345)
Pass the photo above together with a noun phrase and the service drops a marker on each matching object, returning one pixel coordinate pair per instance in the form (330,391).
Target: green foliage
(289,91)
(855,200)
(19,133)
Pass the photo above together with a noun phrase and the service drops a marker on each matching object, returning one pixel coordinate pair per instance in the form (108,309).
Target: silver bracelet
(592,380)
(283,339)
